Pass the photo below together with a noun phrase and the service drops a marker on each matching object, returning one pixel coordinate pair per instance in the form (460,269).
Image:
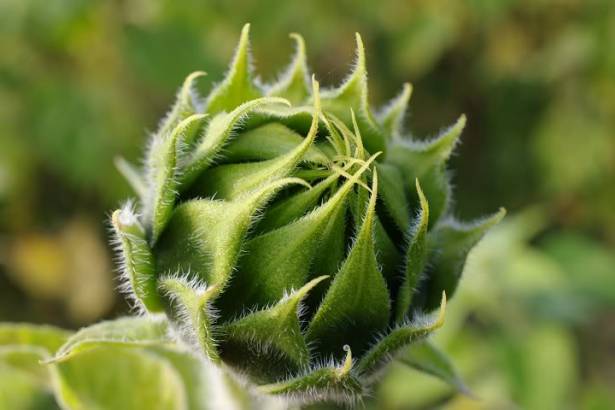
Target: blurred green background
(534,326)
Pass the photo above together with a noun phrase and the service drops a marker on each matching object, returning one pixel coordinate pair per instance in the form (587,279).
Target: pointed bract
(398,339)
(393,114)
(237,86)
(271,337)
(293,84)
(451,242)
(357,303)
(416,258)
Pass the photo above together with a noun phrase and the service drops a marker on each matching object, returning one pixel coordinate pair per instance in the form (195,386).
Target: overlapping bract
(292,234)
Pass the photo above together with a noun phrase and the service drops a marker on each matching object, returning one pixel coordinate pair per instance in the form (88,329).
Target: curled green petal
(217,134)
(163,174)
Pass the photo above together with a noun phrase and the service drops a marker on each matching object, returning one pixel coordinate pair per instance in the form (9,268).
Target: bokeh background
(82,82)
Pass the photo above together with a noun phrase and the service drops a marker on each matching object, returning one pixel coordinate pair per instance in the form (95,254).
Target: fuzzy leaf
(138,266)
(279,260)
(107,378)
(207,386)
(25,383)
(218,132)
(293,85)
(426,161)
(268,142)
(270,338)
(398,339)
(452,241)
(416,257)
(237,87)
(204,237)
(353,94)
(48,338)
(393,114)
(332,384)
(426,357)
(357,304)
(128,331)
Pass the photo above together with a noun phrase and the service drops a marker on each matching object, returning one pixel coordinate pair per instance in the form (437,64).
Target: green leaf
(24,382)
(293,84)
(269,338)
(268,142)
(237,87)
(218,132)
(204,237)
(357,305)
(331,383)
(381,353)
(392,116)
(416,258)
(119,378)
(26,359)
(129,331)
(162,173)
(426,161)
(137,266)
(279,260)
(427,358)
(452,241)
(207,386)
(49,338)
(353,94)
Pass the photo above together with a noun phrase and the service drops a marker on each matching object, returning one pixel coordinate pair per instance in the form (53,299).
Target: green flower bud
(293,235)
